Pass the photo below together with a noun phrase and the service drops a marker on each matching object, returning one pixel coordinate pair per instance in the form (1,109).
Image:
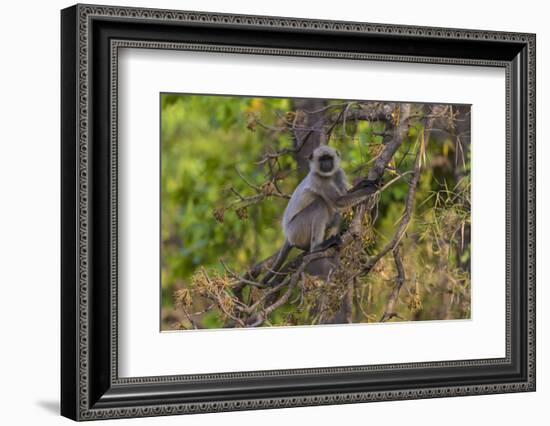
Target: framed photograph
(263,212)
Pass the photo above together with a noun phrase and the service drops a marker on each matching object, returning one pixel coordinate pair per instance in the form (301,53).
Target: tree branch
(390,312)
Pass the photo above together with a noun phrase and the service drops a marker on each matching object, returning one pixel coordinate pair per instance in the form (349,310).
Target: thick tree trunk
(307,140)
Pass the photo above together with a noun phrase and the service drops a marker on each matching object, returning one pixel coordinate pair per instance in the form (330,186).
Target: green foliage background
(205,139)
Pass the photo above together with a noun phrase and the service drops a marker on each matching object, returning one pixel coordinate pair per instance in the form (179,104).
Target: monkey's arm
(297,205)
(358,193)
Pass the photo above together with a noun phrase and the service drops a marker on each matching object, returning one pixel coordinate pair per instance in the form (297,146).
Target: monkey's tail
(281,257)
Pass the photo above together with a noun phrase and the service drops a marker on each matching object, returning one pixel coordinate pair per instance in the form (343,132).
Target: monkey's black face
(326,163)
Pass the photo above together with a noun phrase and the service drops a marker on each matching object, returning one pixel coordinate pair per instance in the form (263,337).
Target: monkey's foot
(334,241)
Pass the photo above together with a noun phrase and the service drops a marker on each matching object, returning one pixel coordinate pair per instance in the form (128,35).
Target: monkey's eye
(310,157)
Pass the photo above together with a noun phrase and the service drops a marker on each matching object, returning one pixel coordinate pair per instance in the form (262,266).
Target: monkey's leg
(331,233)
(297,234)
(319,267)
(281,257)
(334,225)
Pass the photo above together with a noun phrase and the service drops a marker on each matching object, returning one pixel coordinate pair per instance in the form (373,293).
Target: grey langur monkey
(311,217)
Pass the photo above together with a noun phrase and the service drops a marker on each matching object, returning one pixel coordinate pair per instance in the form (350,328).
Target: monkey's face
(325,161)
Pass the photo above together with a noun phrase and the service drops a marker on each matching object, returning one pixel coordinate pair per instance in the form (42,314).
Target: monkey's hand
(360,192)
(367,183)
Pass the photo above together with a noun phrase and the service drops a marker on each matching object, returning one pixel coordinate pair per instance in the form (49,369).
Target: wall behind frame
(29,217)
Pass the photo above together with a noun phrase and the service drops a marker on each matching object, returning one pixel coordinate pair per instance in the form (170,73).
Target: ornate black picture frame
(91,36)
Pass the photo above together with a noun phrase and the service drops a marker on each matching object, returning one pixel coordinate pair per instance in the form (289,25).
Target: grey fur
(311,216)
